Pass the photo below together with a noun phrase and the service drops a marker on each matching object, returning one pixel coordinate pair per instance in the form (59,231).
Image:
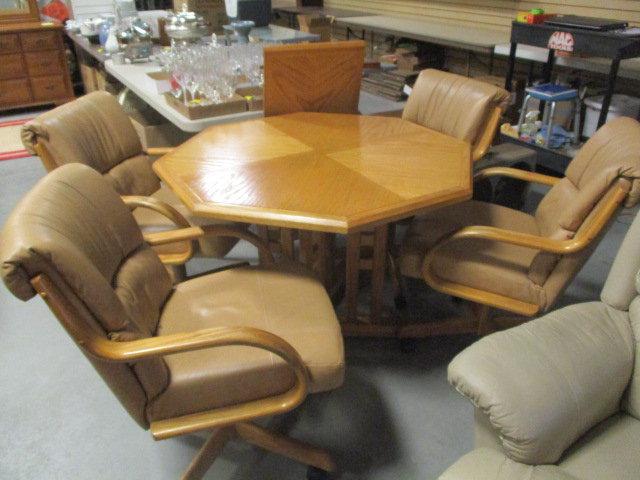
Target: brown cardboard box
(89,79)
(213,11)
(155,131)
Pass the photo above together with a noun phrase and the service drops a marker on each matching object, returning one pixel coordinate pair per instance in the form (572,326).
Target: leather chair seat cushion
(609,451)
(286,301)
(497,267)
(150,220)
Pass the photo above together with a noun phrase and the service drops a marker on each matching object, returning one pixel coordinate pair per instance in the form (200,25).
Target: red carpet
(10,143)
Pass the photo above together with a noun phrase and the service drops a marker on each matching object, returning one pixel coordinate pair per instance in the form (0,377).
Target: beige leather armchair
(95,131)
(209,354)
(559,397)
(500,258)
(458,106)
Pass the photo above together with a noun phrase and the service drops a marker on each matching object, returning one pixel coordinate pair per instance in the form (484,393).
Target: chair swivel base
(321,465)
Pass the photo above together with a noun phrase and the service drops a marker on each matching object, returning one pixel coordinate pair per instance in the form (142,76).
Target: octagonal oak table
(328,173)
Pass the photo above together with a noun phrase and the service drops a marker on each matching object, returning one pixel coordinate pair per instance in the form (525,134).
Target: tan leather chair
(458,106)
(208,354)
(313,77)
(559,397)
(95,131)
(503,258)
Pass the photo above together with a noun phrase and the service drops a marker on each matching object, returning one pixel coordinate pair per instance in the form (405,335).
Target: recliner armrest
(545,383)
(488,464)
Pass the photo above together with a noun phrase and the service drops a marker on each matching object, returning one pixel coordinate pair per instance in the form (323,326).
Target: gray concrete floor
(396,417)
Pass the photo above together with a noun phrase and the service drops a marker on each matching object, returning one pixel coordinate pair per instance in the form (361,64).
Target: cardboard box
(89,79)
(213,11)
(235,104)
(161,80)
(254,97)
(155,131)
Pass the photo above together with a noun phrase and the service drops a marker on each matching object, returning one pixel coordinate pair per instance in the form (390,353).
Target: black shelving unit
(610,45)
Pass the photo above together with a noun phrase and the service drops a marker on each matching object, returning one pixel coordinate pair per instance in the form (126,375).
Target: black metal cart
(612,45)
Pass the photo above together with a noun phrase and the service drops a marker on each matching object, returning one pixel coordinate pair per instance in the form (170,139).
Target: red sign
(562,41)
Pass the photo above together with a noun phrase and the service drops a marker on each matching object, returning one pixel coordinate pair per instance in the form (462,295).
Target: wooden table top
(317,171)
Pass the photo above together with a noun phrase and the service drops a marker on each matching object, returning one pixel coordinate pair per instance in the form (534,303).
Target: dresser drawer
(36,41)
(12,66)
(44,63)
(15,91)
(49,87)
(9,43)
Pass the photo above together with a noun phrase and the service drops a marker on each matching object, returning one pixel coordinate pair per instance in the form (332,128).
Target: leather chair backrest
(95,131)
(621,292)
(313,77)
(74,228)
(452,104)
(611,157)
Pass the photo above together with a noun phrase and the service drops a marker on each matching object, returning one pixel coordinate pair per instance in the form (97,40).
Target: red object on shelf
(535,18)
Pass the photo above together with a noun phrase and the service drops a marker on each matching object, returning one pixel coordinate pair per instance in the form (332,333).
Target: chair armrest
(139,201)
(192,233)
(166,210)
(489,464)
(105,349)
(587,233)
(525,175)
(158,151)
(543,384)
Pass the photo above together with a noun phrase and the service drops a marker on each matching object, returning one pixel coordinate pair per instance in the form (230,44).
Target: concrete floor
(396,417)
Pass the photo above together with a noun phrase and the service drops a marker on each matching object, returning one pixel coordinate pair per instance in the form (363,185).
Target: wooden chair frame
(225,422)
(483,301)
(483,144)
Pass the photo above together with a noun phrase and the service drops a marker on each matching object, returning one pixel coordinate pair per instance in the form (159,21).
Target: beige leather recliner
(458,106)
(207,354)
(558,398)
(94,130)
(503,258)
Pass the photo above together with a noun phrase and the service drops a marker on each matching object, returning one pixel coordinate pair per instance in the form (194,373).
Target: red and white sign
(562,41)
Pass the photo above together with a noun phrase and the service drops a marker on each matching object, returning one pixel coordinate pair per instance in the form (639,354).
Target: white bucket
(621,106)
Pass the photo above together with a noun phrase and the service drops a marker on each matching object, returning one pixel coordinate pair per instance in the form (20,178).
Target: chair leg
(482,315)
(399,296)
(208,453)
(287,447)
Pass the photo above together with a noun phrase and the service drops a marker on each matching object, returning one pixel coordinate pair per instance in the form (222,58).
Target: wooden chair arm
(194,232)
(158,151)
(484,142)
(102,348)
(166,210)
(589,231)
(525,175)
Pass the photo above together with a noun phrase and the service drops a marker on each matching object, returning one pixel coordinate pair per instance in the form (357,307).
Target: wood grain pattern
(313,77)
(316,171)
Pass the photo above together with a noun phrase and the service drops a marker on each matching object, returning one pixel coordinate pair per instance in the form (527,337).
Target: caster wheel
(400,302)
(408,345)
(314,473)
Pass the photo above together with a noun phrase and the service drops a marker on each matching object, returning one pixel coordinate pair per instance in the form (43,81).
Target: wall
(496,13)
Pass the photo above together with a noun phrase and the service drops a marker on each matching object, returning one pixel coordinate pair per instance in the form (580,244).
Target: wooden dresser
(33,66)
